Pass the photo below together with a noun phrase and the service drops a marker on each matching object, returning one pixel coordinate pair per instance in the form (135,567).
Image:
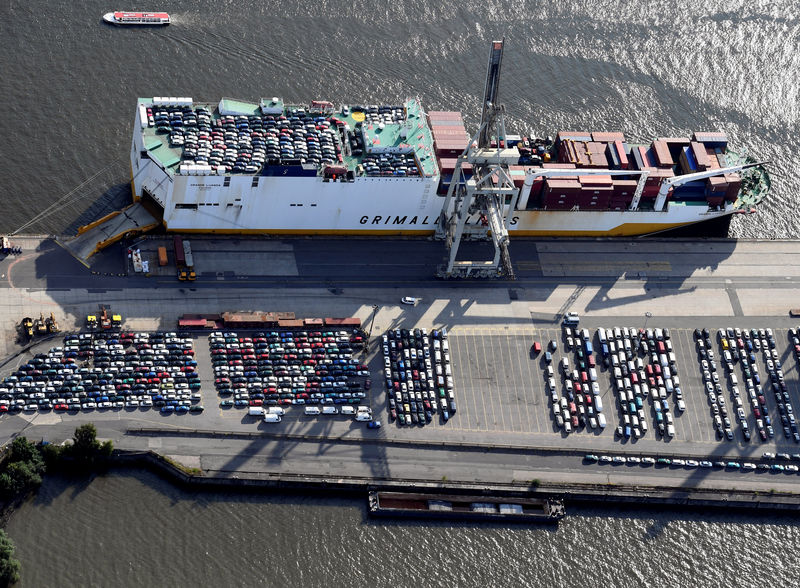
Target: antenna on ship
(486,192)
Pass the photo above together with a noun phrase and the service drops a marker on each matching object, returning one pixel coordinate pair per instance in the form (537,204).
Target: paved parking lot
(500,392)
(501,387)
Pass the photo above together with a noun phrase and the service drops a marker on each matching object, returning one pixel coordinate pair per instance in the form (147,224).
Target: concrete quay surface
(504,421)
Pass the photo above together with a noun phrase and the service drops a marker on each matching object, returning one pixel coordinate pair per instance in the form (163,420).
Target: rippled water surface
(648,68)
(134,529)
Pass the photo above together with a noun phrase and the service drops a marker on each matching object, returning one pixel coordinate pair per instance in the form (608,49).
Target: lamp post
(371,323)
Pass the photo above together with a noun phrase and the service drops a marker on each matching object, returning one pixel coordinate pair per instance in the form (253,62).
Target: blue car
(181,409)
(167,409)
(374,425)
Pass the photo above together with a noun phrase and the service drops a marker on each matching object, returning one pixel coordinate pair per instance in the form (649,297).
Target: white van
(670,431)
(272,418)
(364,416)
(347,409)
(598,404)
(312,410)
(330,410)
(255,411)
(276,410)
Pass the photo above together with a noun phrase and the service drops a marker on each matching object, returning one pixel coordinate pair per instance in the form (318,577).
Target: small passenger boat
(137,18)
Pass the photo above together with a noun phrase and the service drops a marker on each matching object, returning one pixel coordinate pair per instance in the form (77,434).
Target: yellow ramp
(133,220)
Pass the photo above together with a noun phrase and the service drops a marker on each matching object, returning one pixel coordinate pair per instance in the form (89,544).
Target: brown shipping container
(558,166)
(598,180)
(573,135)
(734,185)
(717,184)
(290,323)
(311,322)
(605,137)
(623,156)
(712,158)
(645,158)
(444,115)
(663,156)
(700,155)
(715,200)
(449,132)
(675,140)
(444,124)
(162,256)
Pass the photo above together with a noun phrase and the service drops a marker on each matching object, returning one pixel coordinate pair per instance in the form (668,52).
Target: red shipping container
(605,137)
(734,186)
(645,158)
(713,162)
(670,141)
(448,131)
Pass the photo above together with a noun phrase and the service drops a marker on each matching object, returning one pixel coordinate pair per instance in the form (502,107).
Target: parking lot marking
(492,370)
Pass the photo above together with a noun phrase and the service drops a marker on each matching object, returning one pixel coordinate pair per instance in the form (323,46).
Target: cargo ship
(267,167)
(481,508)
(137,18)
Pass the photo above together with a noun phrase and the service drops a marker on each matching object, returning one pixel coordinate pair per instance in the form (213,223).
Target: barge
(450,506)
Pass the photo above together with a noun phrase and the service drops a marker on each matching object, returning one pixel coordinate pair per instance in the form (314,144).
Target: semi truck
(184,260)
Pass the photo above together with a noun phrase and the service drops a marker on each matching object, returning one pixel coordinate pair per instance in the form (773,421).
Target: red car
(257,402)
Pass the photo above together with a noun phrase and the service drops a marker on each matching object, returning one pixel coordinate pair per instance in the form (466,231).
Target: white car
(410,300)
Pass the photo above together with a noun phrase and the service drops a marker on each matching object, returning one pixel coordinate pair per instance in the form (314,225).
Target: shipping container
(290,323)
(351,322)
(162,256)
(605,137)
(310,322)
(700,155)
(622,152)
(663,158)
(711,139)
(573,136)
(177,244)
(687,161)
(444,115)
(612,156)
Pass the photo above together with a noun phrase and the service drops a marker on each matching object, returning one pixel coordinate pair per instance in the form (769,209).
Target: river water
(132,528)
(646,67)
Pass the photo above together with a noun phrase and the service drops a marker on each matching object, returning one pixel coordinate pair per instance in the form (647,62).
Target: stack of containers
(449,135)
(622,194)
(561,193)
(716,189)
(590,154)
(596,192)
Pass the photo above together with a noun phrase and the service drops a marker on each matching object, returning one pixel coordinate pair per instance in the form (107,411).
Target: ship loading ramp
(132,220)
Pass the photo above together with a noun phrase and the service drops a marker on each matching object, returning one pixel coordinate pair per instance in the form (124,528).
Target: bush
(9,565)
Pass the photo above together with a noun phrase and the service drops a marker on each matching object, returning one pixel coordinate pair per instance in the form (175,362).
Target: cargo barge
(481,508)
(268,167)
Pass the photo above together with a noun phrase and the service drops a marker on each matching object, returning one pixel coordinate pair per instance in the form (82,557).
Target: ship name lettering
(394,220)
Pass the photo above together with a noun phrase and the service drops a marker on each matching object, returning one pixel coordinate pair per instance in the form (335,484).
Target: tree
(24,450)
(85,439)
(85,446)
(9,565)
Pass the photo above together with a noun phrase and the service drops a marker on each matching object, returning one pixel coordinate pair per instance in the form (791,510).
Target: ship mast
(487,193)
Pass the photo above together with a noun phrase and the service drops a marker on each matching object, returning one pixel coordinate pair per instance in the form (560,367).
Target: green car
(664,461)
(590,457)
(226,403)
(197,408)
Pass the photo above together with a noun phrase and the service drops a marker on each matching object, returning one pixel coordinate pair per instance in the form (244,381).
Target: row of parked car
(692,463)
(418,375)
(742,346)
(288,367)
(107,371)
(581,404)
(644,368)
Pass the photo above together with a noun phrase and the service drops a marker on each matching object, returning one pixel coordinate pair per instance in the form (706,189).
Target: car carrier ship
(267,167)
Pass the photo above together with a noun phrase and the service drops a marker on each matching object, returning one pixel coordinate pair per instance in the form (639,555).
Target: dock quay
(503,437)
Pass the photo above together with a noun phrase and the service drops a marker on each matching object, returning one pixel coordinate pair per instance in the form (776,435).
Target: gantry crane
(487,192)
